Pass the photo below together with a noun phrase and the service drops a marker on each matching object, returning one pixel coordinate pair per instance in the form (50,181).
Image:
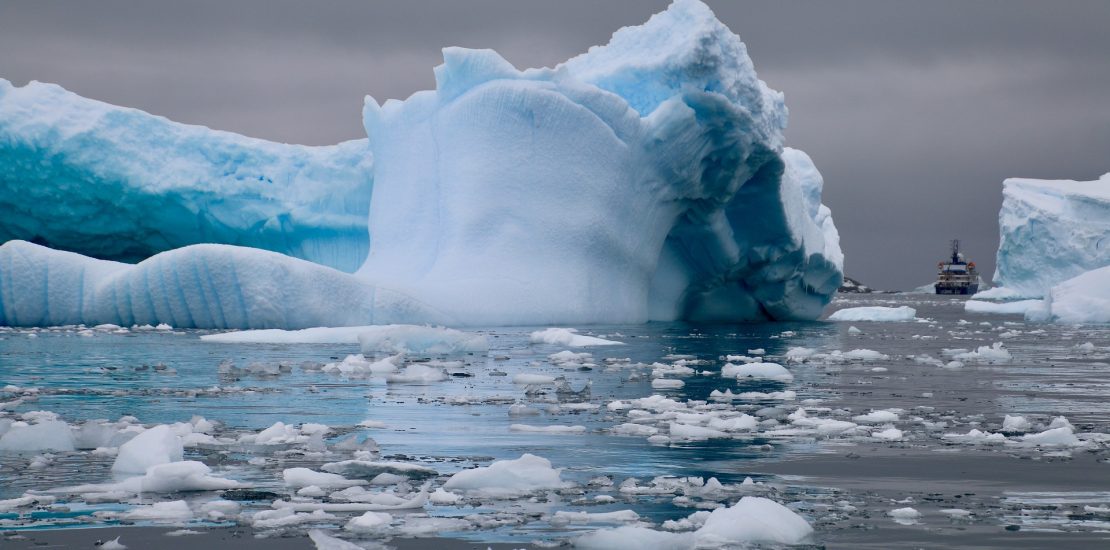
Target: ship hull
(958,289)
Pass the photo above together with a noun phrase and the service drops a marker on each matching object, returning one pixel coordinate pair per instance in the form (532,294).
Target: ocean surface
(845,483)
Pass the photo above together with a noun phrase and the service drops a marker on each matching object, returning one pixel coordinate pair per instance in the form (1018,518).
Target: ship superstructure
(956,275)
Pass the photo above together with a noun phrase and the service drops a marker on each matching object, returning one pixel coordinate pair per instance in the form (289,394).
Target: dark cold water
(1008,490)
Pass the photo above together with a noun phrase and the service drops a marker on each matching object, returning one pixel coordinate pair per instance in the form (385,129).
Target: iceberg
(646,179)
(1081,299)
(120,184)
(1051,231)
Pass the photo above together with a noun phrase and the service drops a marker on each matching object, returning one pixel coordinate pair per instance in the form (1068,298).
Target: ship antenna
(955,250)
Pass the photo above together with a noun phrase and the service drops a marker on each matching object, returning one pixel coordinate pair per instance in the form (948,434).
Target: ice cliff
(1050,231)
(643,180)
(120,184)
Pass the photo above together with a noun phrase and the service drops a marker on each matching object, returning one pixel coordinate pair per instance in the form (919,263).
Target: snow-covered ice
(508,478)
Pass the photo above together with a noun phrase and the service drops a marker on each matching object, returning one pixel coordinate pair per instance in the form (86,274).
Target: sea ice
(569,337)
(980,306)
(157,445)
(767,371)
(513,220)
(508,478)
(874,313)
(47,435)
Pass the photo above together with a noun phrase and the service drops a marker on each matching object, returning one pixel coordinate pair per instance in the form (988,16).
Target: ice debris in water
(391,339)
(508,478)
(752,520)
(719,220)
(874,313)
(569,337)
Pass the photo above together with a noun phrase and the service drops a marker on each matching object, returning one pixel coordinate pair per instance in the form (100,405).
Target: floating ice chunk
(754,520)
(113,544)
(767,371)
(569,337)
(874,313)
(304,477)
(853,330)
(1019,307)
(864,355)
(157,445)
(369,522)
(1081,299)
(876,417)
(389,338)
(1016,424)
(284,517)
(667,383)
(976,436)
(1062,436)
(632,537)
(47,435)
(905,516)
(889,434)
(508,478)
(443,498)
(640,430)
(956,513)
(690,432)
(358,365)
(985,354)
(188,475)
(175,511)
(324,541)
(417,374)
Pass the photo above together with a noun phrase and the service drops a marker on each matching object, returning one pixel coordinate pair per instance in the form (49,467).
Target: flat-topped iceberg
(643,180)
(1050,231)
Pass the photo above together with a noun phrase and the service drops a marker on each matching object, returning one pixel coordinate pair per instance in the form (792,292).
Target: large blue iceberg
(643,180)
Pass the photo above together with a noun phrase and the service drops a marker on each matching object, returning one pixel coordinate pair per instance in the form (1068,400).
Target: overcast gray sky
(914,111)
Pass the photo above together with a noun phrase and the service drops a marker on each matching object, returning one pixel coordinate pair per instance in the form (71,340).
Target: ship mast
(955,251)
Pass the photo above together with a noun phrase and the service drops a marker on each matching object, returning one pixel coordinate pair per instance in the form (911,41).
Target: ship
(957,276)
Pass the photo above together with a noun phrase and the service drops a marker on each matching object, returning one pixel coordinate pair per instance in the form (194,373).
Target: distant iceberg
(643,180)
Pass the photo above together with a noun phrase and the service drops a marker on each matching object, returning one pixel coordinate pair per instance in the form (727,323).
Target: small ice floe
(569,359)
(905,516)
(888,434)
(877,417)
(874,313)
(551,429)
(853,330)
(285,517)
(984,354)
(956,513)
(975,437)
(417,374)
(304,477)
(172,511)
(667,384)
(37,434)
(765,371)
(113,544)
(569,337)
(1000,308)
(324,541)
(157,445)
(508,478)
(727,395)
(752,520)
(369,522)
(1016,424)
(443,498)
(359,365)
